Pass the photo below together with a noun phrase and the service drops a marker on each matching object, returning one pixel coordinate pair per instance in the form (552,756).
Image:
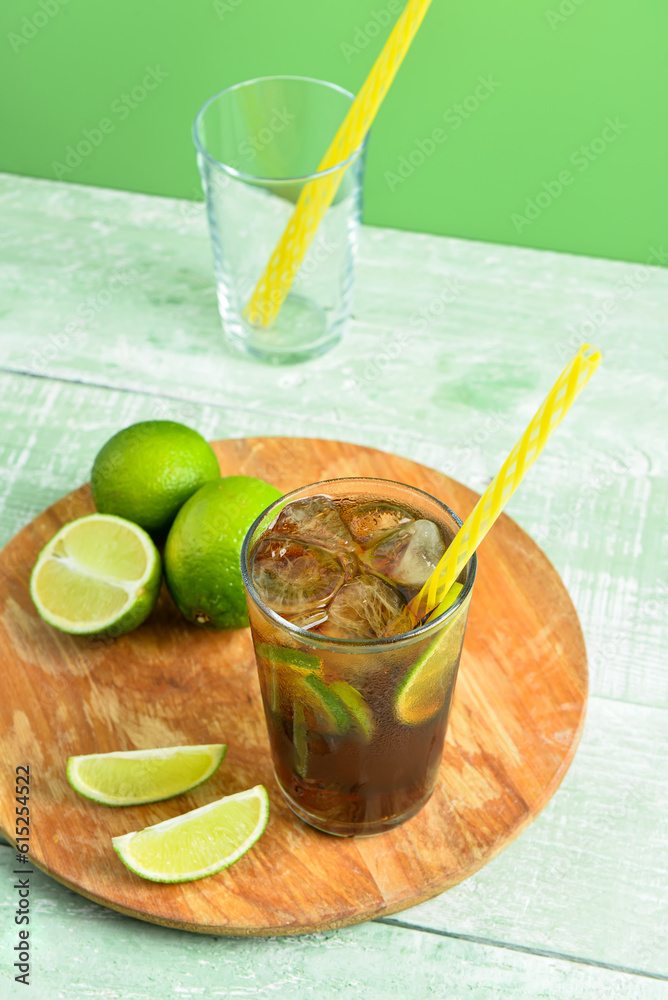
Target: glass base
(348,829)
(299,333)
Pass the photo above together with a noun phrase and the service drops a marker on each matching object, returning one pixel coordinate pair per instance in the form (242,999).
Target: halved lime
(197,843)
(421,693)
(360,713)
(133,777)
(98,575)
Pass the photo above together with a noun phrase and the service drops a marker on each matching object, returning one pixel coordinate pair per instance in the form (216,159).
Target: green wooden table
(108,316)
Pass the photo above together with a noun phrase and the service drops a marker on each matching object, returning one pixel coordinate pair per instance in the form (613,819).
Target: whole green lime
(146,472)
(203,549)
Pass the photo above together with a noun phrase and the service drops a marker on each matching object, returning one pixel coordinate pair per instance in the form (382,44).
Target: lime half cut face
(134,777)
(197,843)
(98,574)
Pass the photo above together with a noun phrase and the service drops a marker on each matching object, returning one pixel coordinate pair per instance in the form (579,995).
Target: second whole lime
(203,550)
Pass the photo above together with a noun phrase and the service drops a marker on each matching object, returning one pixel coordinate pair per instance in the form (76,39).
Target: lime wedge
(133,777)
(98,575)
(197,843)
(360,712)
(421,693)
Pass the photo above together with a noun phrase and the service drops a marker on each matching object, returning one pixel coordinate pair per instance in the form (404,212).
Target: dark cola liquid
(345,759)
(348,784)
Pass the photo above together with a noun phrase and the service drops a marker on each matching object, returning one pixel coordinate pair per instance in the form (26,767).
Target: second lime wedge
(197,843)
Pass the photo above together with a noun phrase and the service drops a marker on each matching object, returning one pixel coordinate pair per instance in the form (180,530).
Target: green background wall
(558,73)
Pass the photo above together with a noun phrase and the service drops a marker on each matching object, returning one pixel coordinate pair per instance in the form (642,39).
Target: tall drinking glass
(356,726)
(258,143)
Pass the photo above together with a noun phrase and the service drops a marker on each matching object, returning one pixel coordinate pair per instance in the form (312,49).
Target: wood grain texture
(516,720)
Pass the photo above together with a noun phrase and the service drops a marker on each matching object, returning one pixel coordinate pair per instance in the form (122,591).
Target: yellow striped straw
(316,196)
(550,414)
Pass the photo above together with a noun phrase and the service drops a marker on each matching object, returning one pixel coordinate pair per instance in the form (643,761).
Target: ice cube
(315,520)
(373,520)
(308,619)
(362,609)
(409,555)
(292,577)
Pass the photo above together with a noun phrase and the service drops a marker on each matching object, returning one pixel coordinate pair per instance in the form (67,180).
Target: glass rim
(256,178)
(357,645)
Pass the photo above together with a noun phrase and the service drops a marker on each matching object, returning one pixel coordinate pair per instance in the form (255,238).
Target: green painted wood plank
(589,877)
(81,950)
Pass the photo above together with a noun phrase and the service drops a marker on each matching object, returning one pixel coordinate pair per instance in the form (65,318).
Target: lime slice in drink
(133,777)
(98,575)
(283,663)
(197,843)
(300,740)
(337,707)
(360,712)
(290,657)
(421,693)
(331,714)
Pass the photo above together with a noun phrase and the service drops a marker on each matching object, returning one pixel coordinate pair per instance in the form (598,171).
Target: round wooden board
(516,720)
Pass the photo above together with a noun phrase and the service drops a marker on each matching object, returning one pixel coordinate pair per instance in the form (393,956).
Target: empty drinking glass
(258,143)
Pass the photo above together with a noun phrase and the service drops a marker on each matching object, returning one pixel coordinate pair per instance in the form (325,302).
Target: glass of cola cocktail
(356,715)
